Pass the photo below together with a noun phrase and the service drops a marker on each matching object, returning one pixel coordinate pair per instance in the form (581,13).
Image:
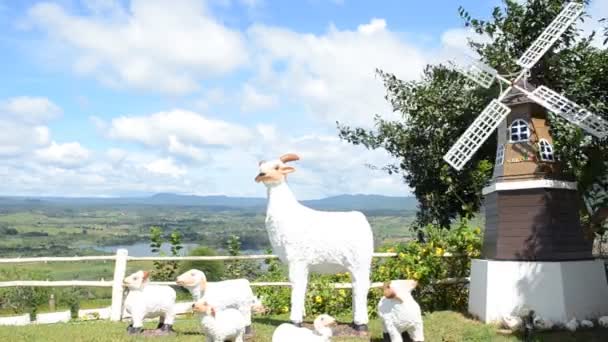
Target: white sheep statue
(148,301)
(315,241)
(287,332)
(400,313)
(220,325)
(236,293)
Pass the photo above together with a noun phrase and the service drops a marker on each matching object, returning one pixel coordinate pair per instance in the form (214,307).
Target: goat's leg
(298,276)
(361,285)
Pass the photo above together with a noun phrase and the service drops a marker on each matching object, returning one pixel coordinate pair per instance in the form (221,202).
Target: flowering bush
(445,254)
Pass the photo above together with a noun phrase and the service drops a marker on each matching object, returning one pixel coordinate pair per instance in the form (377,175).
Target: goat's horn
(289,157)
(261,162)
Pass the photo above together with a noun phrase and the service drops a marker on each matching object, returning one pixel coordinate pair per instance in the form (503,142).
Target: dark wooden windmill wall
(539,224)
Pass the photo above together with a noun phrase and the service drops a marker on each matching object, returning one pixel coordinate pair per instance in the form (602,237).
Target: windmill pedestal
(535,255)
(558,291)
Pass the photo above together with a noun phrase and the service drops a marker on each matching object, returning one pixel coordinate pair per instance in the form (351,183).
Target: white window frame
(520,131)
(500,154)
(550,152)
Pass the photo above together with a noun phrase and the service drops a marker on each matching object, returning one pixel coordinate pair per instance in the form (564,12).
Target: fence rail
(121,258)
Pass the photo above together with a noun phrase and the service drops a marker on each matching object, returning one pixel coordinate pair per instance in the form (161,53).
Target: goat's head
(202,306)
(399,289)
(192,278)
(274,172)
(136,280)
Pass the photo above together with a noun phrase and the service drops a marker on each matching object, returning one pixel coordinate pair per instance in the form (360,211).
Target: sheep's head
(192,278)
(203,307)
(399,289)
(136,280)
(274,172)
(323,322)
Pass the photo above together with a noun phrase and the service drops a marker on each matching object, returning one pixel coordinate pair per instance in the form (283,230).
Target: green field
(442,326)
(44,230)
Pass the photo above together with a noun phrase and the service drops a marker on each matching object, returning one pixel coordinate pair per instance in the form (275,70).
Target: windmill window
(500,155)
(519,131)
(545,150)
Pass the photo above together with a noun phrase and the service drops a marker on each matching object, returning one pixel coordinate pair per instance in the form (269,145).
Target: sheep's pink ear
(146,275)
(289,157)
(287,169)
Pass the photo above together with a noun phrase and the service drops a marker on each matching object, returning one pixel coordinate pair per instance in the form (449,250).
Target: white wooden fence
(122,257)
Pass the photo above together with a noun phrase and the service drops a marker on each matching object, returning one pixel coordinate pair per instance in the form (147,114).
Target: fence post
(120,269)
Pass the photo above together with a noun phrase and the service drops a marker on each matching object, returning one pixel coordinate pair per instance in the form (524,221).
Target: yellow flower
(391,250)
(342,293)
(401,255)
(285,309)
(477,230)
(381,269)
(416,276)
(439,251)
(318,300)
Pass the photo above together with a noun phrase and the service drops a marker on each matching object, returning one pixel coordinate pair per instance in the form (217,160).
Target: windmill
(531,207)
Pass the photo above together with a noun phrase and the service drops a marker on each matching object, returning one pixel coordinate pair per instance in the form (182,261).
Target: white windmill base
(558,291)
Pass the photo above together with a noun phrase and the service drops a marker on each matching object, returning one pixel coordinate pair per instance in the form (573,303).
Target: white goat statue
(235,293)
(315,241)
(147,301)
(400,313)
(290,333)
(220,325)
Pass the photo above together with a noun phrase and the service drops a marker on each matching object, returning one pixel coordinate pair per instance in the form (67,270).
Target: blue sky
(106,98)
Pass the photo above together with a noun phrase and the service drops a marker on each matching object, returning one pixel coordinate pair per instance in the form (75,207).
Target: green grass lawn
(443,326)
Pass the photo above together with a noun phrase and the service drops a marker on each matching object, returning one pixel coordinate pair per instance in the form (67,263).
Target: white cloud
(164,46)
(66,155)
(30,109)
(166,167)
(333,75)
(178,131)
(253,100)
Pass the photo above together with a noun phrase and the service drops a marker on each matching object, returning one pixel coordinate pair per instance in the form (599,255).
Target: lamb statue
(316,241)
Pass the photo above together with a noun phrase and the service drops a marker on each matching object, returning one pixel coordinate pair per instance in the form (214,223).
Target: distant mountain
(341,202)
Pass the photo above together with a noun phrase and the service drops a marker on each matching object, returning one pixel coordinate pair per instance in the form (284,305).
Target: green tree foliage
(23,299)
(439,107)
(165,270)
(214,270)
(235,269)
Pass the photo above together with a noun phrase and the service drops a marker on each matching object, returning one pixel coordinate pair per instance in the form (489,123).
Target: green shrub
(424,262)
(214,270)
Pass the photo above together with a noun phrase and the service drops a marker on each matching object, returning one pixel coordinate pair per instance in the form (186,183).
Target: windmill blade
(570,111)
(473,69)
(479,131)
(479,73)
(550,35)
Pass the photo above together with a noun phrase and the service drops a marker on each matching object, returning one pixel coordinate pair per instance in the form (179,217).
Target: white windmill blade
(479,131)
(571,111)
(550,35)
(476,71)
(480,73)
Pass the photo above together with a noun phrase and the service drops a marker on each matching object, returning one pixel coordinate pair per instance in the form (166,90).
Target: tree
(165,270)
(239,268)
(214,270)
(439,107)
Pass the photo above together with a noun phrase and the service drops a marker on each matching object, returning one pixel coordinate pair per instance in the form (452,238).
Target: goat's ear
(287,169)
(289,157)
(146,275)
(212,311)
